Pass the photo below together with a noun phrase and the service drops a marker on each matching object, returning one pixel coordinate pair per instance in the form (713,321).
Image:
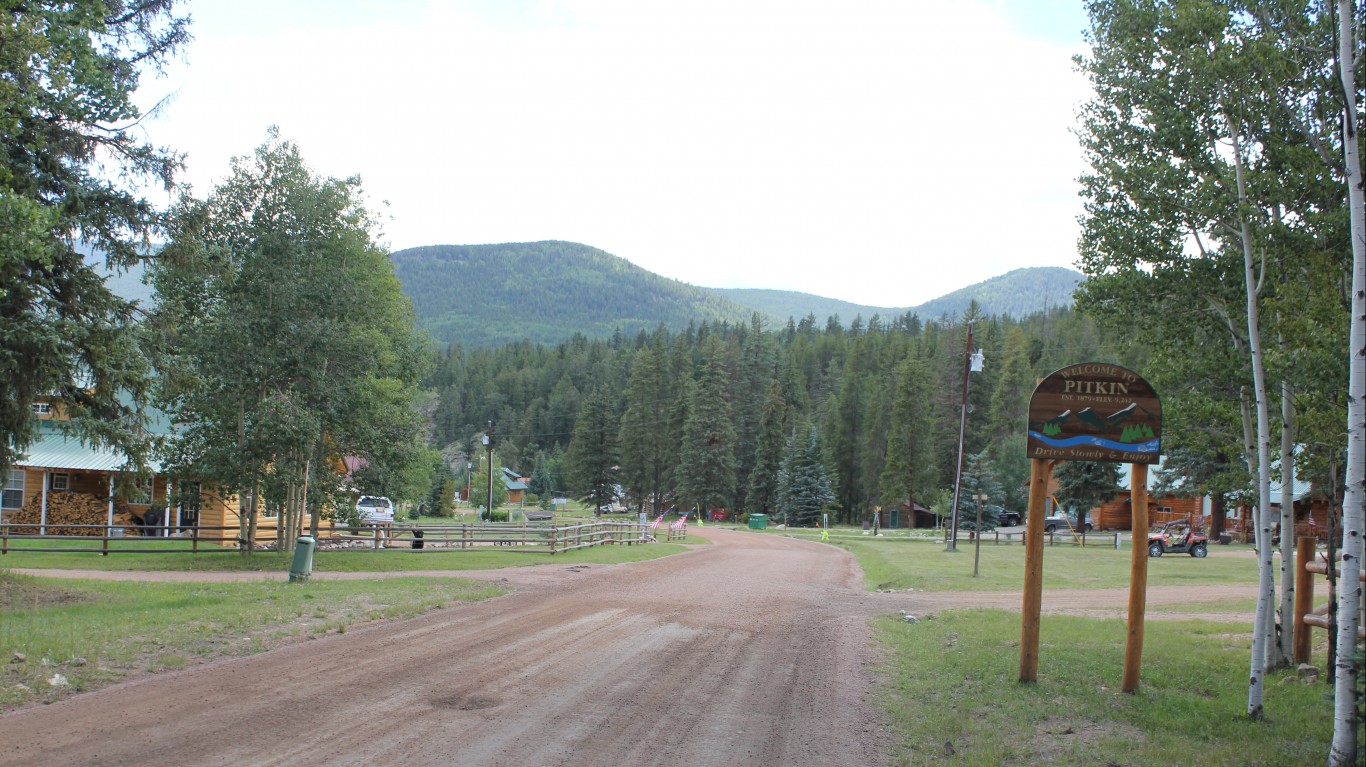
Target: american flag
(655,524)
(680,524)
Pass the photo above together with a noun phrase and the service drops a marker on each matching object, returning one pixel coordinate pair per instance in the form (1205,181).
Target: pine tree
(910,467)
(979,479)
(648,447)
(803,486)
(593,453)
(73,169)
(1084,485)
(774,428)
(706,464)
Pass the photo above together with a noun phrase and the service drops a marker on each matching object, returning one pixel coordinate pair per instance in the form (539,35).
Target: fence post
(105,543)
(552,540)
(1304,598)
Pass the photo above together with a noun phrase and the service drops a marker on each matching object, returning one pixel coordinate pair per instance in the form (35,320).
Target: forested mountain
(782,304)
(707,415)
(1018,293)
(544,292)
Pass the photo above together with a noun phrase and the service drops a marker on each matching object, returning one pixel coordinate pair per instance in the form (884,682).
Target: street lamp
(972,363)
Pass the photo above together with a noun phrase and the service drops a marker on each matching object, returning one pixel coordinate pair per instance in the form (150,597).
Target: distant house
(61,481)
(1118,512)
(901,515)
(516,485)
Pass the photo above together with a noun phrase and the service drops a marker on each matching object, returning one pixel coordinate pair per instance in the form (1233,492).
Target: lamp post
(972,363)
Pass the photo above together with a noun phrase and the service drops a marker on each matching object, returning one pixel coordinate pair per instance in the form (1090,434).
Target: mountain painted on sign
(1132,422)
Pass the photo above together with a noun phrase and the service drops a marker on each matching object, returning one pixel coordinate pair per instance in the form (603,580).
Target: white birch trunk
(1285,648)
(1266,586)
(1345,724)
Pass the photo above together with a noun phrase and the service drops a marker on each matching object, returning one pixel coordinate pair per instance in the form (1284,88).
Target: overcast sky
(883,153)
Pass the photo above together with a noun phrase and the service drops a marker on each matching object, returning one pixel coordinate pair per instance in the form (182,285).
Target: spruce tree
(803,486)
(1084,485)
(979,479)
(774,426)
(910,467)
(706,465)
(648,447)
(593,453)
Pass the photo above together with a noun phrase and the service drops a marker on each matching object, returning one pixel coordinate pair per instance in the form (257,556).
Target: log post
(1040,472)
(1304,598)
(1138,577)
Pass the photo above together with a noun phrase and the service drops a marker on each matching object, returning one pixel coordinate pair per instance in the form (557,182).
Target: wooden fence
(1063,537)
(1306,615)
(199,539)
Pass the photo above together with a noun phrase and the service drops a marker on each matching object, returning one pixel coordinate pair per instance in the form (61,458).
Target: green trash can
(303,559)
(758,521)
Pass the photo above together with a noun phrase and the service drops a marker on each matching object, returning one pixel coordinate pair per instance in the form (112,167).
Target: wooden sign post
(1138,578)
(1040,472)
(1090,412)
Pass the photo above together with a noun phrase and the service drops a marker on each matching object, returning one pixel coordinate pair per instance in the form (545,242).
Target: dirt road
(751,651)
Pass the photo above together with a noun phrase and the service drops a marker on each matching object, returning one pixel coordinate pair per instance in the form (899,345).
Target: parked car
(1006,517)
(1063,521)
(1177,537)
(375,510)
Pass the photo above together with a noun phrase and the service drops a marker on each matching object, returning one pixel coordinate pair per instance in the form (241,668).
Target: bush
(496,516)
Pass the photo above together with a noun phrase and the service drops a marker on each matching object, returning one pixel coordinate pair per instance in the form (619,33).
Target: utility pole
(972,362)
(488,443)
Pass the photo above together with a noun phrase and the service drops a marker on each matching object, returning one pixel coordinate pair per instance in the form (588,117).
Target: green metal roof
(512,481)
(55,450)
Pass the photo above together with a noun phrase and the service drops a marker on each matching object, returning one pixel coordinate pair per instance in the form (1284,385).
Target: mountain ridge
(548,291)
(1003,294)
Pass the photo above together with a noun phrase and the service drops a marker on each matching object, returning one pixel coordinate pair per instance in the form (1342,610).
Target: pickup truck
(1007,518)
(1064,522)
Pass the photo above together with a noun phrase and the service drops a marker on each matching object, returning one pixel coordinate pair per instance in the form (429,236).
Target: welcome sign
(1095,412)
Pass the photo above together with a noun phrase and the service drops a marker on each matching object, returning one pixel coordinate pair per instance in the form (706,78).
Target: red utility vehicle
(1177,538)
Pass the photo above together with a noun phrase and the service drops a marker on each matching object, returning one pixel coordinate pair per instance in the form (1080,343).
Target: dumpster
(303,559)
(758,521)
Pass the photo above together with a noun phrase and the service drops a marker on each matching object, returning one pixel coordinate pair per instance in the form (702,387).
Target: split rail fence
(1306,615)
(204,539)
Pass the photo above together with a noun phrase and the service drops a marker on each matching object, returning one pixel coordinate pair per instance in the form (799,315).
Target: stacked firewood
(66,508)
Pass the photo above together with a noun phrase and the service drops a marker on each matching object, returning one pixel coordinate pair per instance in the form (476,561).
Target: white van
(375,510)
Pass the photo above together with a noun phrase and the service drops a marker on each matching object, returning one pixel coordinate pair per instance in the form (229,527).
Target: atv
(1177,538)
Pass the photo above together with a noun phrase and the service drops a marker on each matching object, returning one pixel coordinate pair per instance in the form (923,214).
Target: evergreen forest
(706,416)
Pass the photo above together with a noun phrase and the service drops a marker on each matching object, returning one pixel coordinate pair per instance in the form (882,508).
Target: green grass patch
(951,694)
(1232,606)
(899,563)
(174,555)
(69,636)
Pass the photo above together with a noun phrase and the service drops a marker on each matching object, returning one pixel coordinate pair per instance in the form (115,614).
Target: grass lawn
(900,563)
(63,637)
(953,699)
